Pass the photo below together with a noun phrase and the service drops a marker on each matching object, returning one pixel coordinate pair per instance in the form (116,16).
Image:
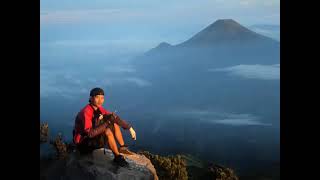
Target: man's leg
(111,142)
(123,149)
(118,134)
(119,159)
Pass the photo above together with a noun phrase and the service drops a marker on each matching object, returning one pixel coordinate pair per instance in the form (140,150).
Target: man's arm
(116,119)
(107,115)
(124,124)
(113,118)
(102,127)
(98,130)
(89,131)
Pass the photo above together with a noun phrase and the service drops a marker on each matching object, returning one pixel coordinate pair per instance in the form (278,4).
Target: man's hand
(109,117)
(133,134)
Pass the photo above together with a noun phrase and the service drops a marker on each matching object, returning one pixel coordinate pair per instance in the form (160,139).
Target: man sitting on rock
(95,125)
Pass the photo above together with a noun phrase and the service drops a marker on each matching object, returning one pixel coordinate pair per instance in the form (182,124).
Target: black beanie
(96,91)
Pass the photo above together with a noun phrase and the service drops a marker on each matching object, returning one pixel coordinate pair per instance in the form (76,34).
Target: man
(95,125)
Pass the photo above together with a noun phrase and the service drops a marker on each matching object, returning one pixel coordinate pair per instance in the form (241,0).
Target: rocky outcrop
(99,165)
(67,164)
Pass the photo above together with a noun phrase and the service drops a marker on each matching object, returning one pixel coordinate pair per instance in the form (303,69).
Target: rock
(98,166)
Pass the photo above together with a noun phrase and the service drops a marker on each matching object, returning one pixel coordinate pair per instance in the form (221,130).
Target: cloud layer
(69,84)
(272,31)
(263,72)
(220,117)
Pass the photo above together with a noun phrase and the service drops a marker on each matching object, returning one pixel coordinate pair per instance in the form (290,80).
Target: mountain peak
(163,45)
(226,22)
(222,31)
(227,26)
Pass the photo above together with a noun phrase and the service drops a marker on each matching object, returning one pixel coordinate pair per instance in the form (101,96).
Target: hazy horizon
(229,114)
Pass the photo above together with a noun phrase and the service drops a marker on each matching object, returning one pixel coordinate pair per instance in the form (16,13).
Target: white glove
(133,133)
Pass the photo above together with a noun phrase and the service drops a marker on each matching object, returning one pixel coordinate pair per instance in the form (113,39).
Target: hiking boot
(119,160)
(124,150)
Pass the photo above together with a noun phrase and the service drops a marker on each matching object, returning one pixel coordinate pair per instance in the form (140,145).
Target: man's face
(97,100)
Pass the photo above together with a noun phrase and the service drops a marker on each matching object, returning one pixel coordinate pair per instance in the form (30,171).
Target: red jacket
(84,121)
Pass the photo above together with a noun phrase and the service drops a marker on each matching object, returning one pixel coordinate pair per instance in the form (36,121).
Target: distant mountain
(224,31)
(161,46)
(180,73)
(223,43)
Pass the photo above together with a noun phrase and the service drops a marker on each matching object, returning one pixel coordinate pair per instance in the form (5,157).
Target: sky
(131,27)
(74,31)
